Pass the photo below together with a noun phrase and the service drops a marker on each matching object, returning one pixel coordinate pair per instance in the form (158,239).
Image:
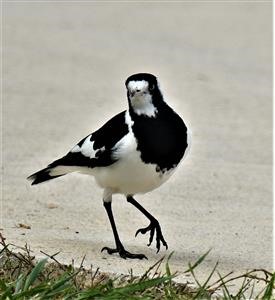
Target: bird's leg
(119,247)
(152,227)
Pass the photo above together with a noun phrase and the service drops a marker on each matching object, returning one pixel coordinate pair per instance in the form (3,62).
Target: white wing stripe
(86,149)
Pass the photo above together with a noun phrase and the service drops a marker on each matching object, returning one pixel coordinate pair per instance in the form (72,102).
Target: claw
(138,231)
(123,253)
(152,233)
(142,230)
(109,250)
(153,227)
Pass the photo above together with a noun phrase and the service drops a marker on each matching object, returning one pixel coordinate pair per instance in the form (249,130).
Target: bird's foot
(123,253)
(154,227)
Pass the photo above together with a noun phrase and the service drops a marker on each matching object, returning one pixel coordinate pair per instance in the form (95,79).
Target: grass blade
(167,268)
(62,284)
(19,283)
(270,288)
(128,290)
(6,289)
(199,261)
(34,274)
(226,293)
(202,292)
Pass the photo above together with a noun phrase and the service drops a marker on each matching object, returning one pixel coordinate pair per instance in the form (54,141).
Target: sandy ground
(64,71)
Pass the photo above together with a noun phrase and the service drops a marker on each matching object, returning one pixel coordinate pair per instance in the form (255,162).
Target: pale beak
(133,92)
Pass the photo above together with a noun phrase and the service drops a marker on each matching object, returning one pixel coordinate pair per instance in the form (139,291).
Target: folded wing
(95,150)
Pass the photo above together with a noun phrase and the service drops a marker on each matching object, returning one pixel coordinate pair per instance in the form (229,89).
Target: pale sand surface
(64,71)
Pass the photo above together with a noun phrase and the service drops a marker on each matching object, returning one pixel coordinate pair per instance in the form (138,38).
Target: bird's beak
(134,92)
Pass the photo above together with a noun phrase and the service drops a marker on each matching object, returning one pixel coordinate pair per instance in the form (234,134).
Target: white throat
(143,105)
(141,99)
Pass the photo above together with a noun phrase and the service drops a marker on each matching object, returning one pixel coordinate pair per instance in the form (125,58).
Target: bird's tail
(52,171)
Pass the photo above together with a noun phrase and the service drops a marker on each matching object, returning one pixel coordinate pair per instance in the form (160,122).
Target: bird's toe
(123,253)
(154,227)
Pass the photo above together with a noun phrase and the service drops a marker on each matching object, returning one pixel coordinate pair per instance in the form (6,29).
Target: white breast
(129,175)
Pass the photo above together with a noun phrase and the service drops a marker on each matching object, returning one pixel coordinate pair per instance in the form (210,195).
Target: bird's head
(143,94)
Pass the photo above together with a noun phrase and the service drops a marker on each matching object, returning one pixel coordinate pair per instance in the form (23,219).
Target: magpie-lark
(134,152)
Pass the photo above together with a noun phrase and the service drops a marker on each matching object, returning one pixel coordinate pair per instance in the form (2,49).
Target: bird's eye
(151,87)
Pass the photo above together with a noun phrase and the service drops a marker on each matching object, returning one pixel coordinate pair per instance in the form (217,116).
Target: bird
(135,152)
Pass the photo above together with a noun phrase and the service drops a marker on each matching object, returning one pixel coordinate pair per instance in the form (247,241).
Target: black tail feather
(45,174)
(41,176)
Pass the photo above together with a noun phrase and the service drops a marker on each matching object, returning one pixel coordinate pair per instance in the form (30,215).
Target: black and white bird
(134,152)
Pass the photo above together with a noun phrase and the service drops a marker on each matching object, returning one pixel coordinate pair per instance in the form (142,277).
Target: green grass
(22,277)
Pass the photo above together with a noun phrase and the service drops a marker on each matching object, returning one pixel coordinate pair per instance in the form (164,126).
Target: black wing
(95,150)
